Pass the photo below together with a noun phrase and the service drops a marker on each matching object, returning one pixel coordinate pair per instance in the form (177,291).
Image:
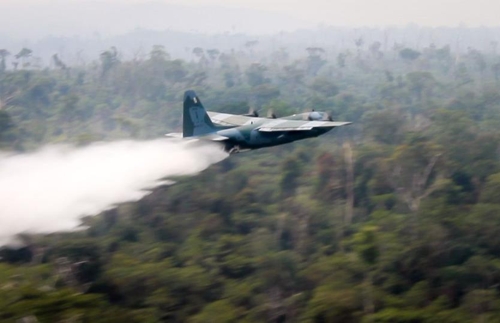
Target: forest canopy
(393,219)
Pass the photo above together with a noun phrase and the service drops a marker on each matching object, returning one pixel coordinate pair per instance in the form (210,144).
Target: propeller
(252,113)
(271,114)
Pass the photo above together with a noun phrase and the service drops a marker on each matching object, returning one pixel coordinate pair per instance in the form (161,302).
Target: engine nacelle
(319,116)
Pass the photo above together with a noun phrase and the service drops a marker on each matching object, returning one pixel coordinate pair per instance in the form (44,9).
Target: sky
(375,12)
(18,17)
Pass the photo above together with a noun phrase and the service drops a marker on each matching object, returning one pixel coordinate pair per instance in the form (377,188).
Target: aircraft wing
(270,125)
(211,137)
(226,119)
(297,125)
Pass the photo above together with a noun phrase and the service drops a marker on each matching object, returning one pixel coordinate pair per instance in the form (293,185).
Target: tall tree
(3,55)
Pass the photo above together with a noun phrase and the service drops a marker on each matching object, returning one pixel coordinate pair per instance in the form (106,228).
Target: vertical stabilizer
(196,121)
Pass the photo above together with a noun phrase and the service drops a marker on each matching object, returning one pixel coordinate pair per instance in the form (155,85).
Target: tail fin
(196,120)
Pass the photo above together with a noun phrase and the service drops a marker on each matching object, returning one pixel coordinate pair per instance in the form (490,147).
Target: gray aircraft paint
(244,132)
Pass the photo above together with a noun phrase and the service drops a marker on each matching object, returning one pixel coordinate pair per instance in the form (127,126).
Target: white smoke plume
(49,190)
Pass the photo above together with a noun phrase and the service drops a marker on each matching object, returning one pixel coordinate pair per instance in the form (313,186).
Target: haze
(32,19)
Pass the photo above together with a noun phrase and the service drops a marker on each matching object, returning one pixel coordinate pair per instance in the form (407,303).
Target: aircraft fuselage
(249,137)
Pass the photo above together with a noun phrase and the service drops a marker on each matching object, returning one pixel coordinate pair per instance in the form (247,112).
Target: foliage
(267,235)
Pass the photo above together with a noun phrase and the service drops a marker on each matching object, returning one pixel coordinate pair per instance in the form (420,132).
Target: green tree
(3,55)
(109,59)
(256,74)
(24,54)
(409,54)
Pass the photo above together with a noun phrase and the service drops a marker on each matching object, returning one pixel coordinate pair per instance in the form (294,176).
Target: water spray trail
(49,190)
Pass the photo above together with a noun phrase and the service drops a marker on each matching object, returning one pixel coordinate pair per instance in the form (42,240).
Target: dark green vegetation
(393,219)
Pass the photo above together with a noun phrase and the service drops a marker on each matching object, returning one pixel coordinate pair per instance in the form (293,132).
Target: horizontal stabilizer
(174,135)
(213,137)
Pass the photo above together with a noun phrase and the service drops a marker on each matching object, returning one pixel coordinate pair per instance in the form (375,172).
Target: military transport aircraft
(244,132)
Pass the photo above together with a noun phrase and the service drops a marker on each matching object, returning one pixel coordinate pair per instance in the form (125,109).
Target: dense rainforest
(395,218)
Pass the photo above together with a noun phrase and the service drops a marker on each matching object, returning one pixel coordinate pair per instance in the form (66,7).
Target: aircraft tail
(196,121)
